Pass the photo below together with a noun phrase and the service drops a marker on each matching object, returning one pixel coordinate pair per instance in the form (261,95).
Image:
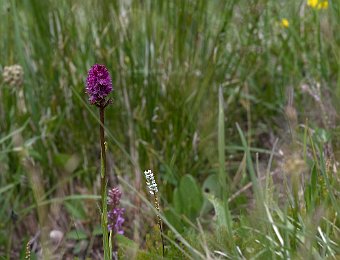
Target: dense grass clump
(233,105)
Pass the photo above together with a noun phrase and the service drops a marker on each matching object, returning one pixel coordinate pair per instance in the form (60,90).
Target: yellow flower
(316,4)
(323,5)
(313,3)
(285,23)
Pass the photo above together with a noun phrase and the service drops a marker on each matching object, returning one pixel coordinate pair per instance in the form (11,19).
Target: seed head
(98,84)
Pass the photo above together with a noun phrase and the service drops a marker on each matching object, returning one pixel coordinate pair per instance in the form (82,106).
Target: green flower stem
(103,187)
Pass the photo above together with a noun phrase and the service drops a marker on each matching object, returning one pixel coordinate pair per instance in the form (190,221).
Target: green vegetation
(234,105)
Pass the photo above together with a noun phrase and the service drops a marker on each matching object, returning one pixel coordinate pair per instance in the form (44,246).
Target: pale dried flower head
(294,164)
(13,75)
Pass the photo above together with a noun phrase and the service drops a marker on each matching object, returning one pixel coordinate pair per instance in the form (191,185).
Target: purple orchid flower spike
(115,214)
(98,85)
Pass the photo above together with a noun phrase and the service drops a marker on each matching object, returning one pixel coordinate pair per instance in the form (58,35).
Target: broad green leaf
(190,196)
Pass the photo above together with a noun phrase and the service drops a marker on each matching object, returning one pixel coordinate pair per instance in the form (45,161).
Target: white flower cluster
(150,182)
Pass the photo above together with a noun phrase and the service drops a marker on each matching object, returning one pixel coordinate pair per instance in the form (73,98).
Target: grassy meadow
(234,106)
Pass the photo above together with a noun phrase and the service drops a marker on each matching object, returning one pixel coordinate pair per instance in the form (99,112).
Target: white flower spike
(150,182)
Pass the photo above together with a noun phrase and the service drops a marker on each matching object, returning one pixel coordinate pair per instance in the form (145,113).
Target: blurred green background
(168,60)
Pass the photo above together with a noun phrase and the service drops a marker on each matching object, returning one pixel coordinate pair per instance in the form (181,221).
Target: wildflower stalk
(98,86)
(153,189)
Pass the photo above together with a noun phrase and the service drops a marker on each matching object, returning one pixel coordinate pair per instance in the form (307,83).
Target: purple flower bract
(98,84)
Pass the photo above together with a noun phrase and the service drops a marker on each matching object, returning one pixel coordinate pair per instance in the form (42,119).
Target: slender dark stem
(103,152)
(103,178)
(160,223)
